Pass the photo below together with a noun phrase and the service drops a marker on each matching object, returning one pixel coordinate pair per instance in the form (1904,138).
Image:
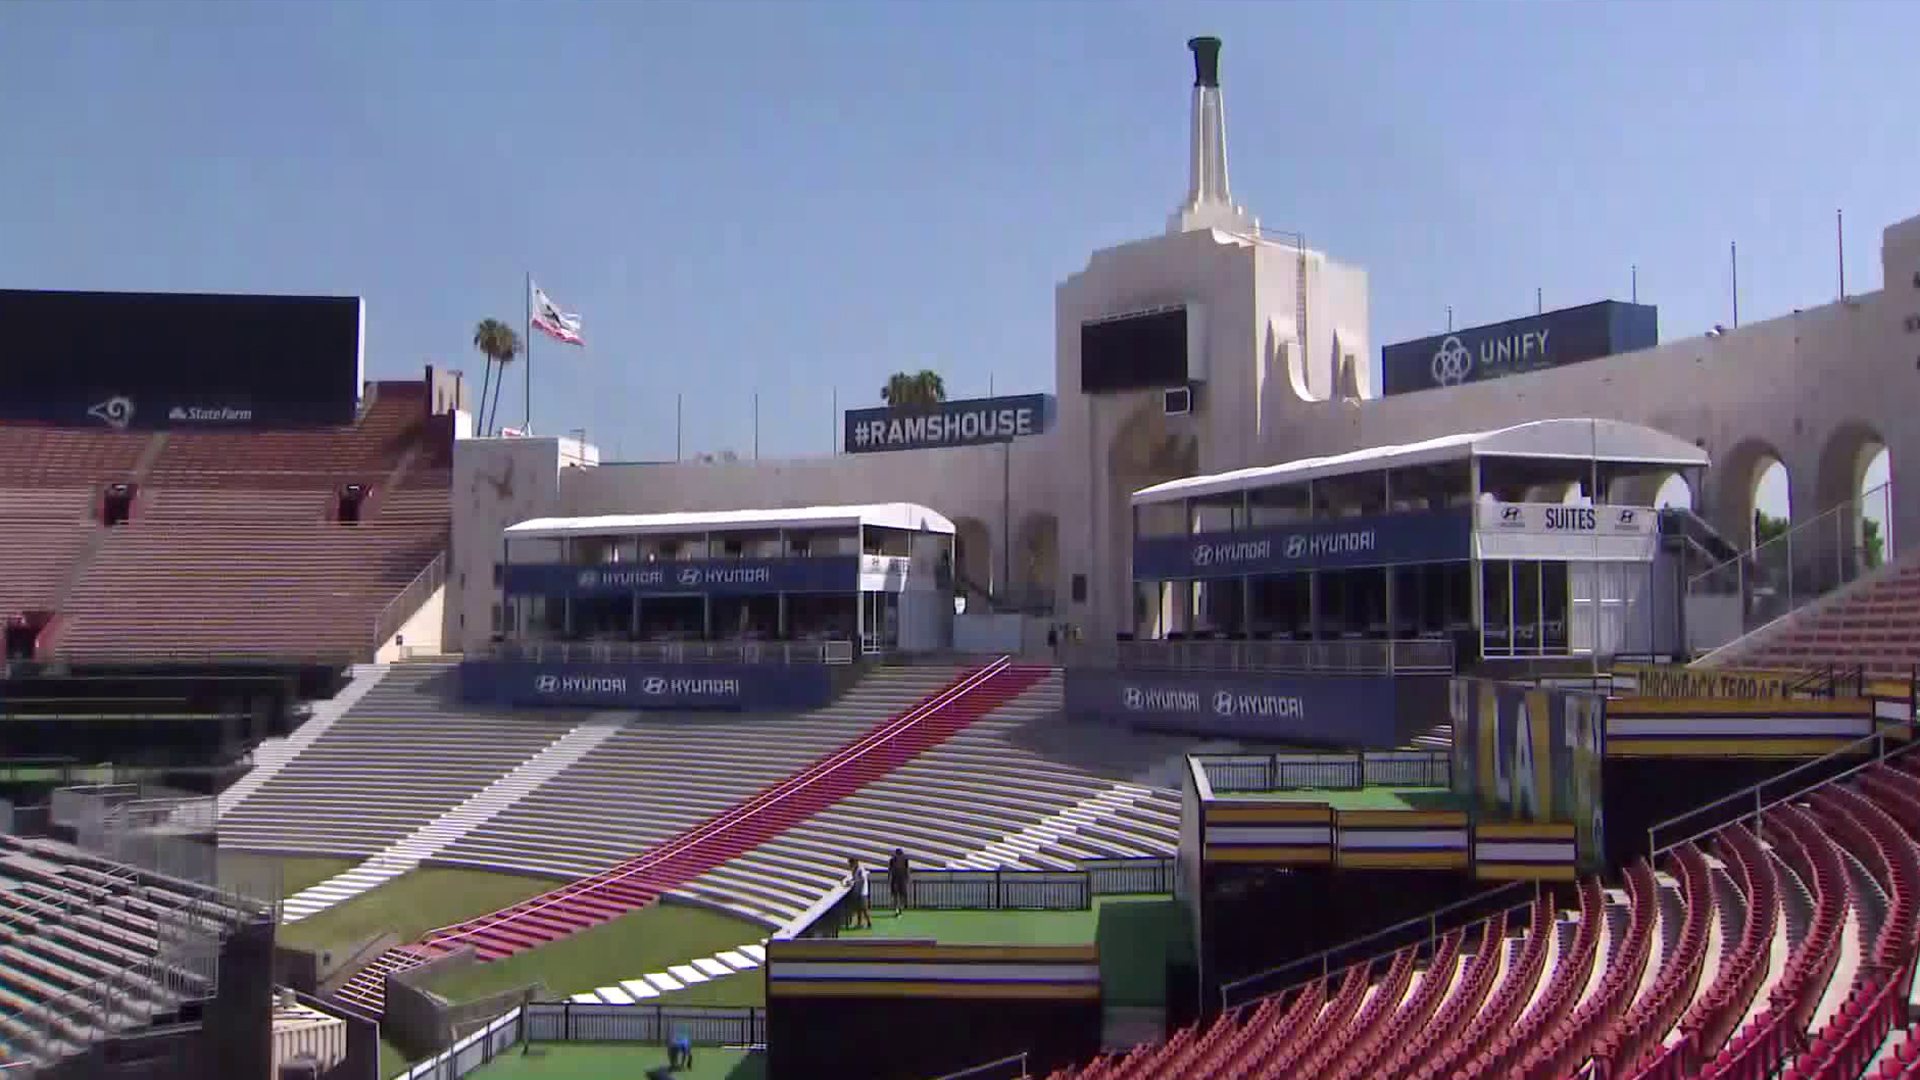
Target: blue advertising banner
(973,422)
(719,577)
(1536,342)
(1332,710)
(739,687)
(1382,540)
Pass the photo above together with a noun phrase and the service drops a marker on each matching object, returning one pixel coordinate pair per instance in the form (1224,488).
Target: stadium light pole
(1733,256)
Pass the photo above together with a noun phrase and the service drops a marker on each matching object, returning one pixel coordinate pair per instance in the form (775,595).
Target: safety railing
(676,652)
(471,1051)
(1121,877)
(988,890)
(1011,1067)
(1751,803)
(1335,772)
(1423,928)
(409,600)
(1801,565)
(711,1025)
(1410,656)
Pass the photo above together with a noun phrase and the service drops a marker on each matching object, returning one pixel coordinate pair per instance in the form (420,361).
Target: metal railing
(1411,656)
(1370,948)
(470,1051)
(1121,877)
(988,890)
(1805,563)
(1750,804)
(1336,772)
(712,1025)
(676,652)
(408,601)
(1011,1067)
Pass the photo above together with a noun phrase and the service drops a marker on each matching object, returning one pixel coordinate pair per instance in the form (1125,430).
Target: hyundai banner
(749,687)
(1534,343)
(974,422)
(719,577)
(1381,540)
(1331,710)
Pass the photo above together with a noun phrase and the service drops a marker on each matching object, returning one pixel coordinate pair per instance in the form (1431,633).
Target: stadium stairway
(1873,621)
(274,755)
(693,767)
(992,794)
(429,839)
(640,881)
(396,759)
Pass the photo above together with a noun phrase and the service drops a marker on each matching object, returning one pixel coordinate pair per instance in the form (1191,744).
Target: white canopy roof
(897,515)
(1614,441)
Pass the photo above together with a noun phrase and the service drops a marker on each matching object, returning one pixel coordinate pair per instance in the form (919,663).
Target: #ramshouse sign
(973,422)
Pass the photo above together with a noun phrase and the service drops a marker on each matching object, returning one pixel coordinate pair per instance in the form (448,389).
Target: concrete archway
(1849,451)
(1737,490)
(1038,553)
(973,553)
(1149,448)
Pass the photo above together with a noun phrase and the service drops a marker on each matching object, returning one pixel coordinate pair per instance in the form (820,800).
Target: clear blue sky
(798,197)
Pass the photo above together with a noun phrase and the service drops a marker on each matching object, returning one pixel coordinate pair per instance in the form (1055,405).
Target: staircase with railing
(1752,589)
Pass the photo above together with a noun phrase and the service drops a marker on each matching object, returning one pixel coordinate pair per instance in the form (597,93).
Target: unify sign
(1518,345)
(974,422)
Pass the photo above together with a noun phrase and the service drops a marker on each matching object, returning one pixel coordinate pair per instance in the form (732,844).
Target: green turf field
(1137,935)
(618,1061)
(391,1060)
(1369,798)
(412,904)
(244,869)
(648,940)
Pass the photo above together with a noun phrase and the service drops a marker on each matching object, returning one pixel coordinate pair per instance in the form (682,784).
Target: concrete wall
(421,634)
(1814,388)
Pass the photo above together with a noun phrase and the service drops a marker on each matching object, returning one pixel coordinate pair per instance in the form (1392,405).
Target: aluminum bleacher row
(235,524)
(43,527)
(83,948)
(401,756)
(1783,952)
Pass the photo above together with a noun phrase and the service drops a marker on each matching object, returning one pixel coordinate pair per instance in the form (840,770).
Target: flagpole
(526,425)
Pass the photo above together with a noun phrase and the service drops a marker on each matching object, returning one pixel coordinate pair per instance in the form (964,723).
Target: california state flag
(548,318)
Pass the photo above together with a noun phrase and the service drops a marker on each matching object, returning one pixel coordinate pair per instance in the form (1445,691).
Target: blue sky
(798,198)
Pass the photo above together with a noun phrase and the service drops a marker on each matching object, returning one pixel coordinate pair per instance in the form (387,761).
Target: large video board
(173,359)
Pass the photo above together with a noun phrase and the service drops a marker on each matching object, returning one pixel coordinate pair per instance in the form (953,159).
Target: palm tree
(500,344)
(904,390)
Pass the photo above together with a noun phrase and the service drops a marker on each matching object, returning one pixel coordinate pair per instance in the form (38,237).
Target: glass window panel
(1496,628)
(1555,591)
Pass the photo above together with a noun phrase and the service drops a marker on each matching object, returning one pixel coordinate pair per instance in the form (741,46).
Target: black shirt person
(898,877)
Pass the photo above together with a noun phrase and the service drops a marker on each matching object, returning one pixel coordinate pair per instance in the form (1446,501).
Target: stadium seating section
(238,527)
(1783,951)
(83,948)
(1873,622)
